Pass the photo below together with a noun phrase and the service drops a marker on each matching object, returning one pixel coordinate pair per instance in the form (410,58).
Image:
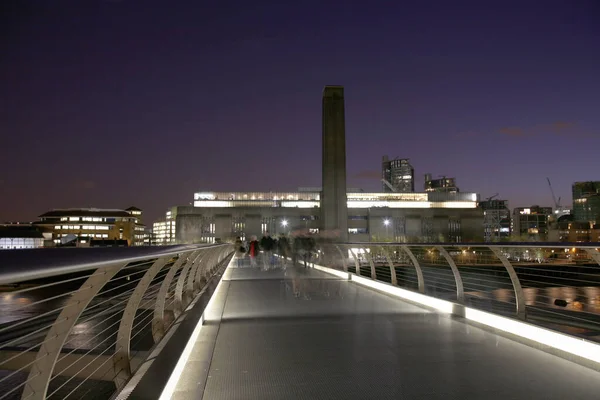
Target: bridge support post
(460,292)
(415,262)
(519,296)
(391,265)
(41,370)
(121,359)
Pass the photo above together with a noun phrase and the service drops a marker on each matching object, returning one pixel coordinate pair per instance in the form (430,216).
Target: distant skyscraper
(334,208)
(586,202)
(399,174)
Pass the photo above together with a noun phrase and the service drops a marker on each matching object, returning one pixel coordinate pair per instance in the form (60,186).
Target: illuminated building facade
(93,224)
(401,217)
(20,236)
(531,223)
(586,202)
(163,232)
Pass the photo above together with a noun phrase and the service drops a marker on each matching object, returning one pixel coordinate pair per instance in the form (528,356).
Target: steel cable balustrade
(88,329)
(554,285)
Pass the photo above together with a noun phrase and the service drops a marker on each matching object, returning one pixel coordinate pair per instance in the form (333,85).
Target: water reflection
(578,298)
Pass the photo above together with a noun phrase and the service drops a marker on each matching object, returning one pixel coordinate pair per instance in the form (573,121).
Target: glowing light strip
(351,204)
(341,274)
(440,305)
(169,389)
(566,343)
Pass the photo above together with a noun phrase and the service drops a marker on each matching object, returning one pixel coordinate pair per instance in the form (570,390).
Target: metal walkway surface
(304,334)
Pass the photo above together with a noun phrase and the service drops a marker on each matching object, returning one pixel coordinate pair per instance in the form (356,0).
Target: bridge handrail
(557,293)
(137,295)
(24,265)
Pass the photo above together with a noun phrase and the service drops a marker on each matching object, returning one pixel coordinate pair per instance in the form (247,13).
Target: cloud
(513,131)
(368,174)
(562,125)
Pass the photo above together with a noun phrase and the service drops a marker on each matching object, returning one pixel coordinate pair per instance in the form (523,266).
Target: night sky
(116,103)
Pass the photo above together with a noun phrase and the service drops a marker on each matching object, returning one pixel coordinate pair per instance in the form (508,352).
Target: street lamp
(284,223)
(386,222)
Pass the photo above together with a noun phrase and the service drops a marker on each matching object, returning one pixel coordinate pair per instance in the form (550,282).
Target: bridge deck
(303,334)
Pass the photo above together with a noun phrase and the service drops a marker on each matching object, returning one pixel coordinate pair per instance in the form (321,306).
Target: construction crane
(559,208)
(493,196)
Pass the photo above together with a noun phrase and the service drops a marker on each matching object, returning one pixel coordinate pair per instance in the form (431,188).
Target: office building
(577,231)
(531,223)
(496,220)
(163,232)
(586,202)
(334,212)
(88,226)
(397,175)
(443,184)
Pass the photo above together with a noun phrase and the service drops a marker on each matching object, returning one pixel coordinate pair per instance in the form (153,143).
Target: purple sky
(142,102)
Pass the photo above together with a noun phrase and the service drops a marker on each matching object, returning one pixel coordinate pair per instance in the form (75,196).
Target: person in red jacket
(253,250)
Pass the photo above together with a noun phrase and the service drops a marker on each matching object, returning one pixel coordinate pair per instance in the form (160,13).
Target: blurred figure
(267,244)
(253,250)
(283,248)
(304,246)
(240,251)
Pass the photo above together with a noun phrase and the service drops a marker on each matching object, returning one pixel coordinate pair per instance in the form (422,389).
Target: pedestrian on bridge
(240,252)
(253,250)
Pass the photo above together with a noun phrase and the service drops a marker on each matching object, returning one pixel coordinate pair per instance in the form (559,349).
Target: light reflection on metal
(460,295)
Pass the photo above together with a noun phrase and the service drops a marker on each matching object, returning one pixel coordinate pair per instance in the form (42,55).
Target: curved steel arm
(41,370)
(369,258)
(391,265)
(121,359)
(595,254)
(356,263)
(201,271)
(158,321)
(460,292)
(178,302)
(343,257)
(188,291)
(415,262)
(519,296)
